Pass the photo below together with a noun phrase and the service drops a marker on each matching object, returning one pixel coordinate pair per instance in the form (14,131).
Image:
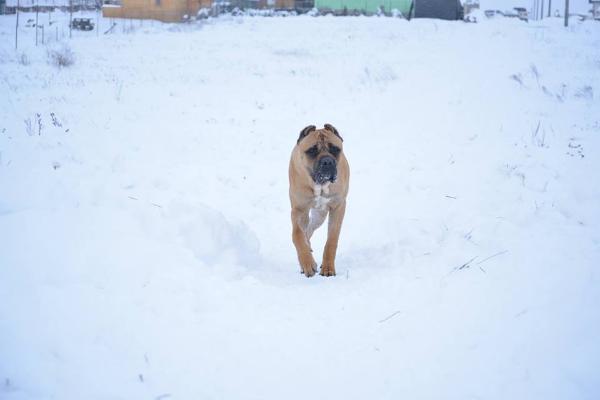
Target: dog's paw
(327,270)
(309,270)
(309,266)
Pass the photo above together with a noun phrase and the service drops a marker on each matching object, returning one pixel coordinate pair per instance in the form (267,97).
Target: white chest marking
(324,188)
(320,201)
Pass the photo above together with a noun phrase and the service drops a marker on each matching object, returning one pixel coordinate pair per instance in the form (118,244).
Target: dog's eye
(334,150)
(312,152)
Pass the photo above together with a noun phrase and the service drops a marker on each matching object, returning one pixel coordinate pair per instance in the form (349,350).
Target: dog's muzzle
(325,170)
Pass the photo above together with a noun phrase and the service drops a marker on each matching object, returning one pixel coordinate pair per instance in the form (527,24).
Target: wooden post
(549,8)
(566,13)
(17,27)
(542,13)
(70,19)
(37,9)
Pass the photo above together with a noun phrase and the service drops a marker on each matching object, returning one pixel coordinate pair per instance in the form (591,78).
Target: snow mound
(212,238)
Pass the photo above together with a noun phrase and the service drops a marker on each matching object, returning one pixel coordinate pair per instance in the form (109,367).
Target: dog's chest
(321,198)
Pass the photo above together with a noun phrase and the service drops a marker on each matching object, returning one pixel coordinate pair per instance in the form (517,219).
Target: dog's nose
(327,161)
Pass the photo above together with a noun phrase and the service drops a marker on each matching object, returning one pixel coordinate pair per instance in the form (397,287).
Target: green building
(369,6)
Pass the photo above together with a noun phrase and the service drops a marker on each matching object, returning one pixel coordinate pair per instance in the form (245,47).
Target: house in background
(441,9)
(300,6)
(363,6)
(161,10)
(263,4)
(48,5)
(177,10)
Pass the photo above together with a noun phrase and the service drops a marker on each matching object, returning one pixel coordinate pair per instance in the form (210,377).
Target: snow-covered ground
(145,248)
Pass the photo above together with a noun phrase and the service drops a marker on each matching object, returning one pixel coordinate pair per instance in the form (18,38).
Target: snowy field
(145,236)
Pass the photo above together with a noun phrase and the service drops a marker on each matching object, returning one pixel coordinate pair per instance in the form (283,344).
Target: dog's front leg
(299,227)
(336,216)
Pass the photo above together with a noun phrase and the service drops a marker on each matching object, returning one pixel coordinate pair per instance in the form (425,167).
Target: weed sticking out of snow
(23,59)
(61,56)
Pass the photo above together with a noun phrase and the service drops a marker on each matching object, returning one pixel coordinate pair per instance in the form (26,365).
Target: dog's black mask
(325,170)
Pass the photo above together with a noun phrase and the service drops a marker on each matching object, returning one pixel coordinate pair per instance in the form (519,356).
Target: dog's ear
(332,129)
(305,132)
